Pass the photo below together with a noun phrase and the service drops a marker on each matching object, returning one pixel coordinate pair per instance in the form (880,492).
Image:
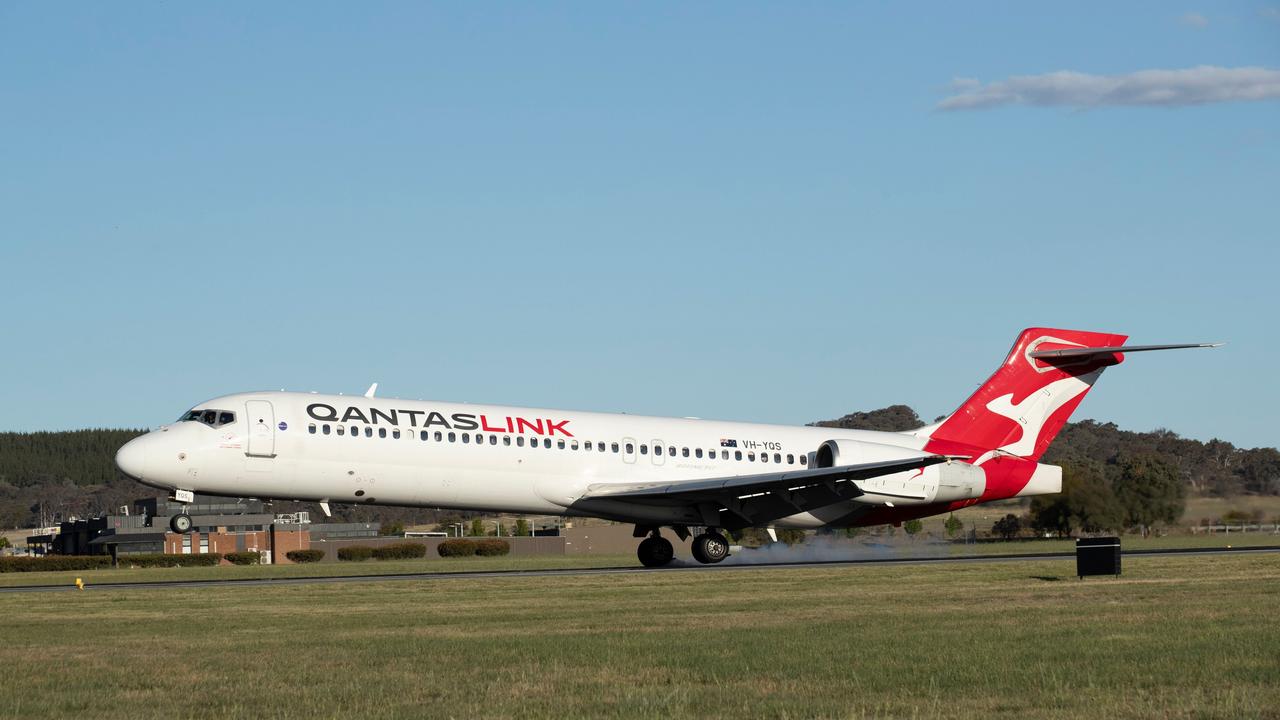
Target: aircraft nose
(131,458)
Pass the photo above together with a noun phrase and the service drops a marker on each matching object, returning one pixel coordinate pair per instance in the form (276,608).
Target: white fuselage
(342,449)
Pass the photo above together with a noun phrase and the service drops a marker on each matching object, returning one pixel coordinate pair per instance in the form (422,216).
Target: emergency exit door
(262,428)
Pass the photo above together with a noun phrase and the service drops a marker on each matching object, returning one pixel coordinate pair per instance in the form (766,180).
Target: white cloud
(1194,19)
(1167,88)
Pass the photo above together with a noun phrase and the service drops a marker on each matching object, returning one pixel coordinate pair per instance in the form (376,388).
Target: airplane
(695,477)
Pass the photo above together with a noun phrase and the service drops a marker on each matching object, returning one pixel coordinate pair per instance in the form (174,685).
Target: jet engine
(945,482)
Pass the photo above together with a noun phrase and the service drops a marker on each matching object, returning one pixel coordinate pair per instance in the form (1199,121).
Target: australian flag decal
(728,443)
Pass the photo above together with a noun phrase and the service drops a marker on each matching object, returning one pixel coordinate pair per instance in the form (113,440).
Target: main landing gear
(655,551)
(710,547)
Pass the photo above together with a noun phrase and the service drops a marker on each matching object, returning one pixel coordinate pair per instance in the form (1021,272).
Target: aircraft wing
(757,499)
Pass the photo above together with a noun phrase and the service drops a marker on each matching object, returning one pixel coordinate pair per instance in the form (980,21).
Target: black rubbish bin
(1098,556)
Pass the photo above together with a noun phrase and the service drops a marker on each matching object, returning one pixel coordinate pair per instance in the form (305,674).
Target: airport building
(223,525)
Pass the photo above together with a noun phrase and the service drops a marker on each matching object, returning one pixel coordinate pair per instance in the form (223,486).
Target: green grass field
(1183,637)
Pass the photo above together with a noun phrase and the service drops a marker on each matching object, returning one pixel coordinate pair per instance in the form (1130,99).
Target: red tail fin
(1023,405)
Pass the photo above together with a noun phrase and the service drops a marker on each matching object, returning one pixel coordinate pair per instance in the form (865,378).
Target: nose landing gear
(180,523)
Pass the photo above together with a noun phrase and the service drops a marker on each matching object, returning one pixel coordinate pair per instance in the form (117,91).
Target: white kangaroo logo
(1035,410)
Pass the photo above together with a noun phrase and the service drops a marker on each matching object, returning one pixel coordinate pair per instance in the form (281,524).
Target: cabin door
(262,428)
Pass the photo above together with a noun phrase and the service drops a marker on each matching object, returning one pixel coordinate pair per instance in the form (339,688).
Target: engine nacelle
(944,482)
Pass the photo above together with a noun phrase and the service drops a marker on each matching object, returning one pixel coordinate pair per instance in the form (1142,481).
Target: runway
(676,568)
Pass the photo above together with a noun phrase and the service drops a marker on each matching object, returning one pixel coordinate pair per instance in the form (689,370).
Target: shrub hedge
(456,548)
(305,556)
(400,551)
(146,560)
(54,562)
(491,548)
(243,558)
(355,553)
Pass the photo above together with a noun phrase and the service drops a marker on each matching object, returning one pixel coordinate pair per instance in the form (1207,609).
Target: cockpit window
(212,418)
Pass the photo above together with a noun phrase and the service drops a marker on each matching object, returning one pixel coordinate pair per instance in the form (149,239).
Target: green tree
(912,527)
(1007,527)
(1151,491)
(953,526)
(477,528)
(790,536)
(4,542)
(522,527)
(1086,503)
(391,528)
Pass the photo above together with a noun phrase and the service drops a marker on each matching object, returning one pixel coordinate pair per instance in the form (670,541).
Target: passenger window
(424,435)
(520,441)
(724,454)
(630,448)
(453,437)
(395,434)
(325,429)
(560,444)
(546,443)
(697,452)
(751,457)
(368,431)
(586,445)
(506,440)
(466,438)
(684,452)
(479,439)
(382,432)
(493,439)
(573,445)
(777,457)
(764,457)
(311,428)
(341,429)
(791,459)
(804,459)
(439,436)
(737,454)
(644,449)
(657,449)
(601,447)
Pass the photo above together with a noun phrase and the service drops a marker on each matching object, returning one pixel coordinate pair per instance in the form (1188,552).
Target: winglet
(372,389)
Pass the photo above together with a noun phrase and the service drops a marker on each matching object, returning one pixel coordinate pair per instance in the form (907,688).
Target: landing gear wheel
(710,547)
(180,523)
(655,552)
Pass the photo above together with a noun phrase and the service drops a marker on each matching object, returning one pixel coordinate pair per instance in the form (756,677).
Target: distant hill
(73,473)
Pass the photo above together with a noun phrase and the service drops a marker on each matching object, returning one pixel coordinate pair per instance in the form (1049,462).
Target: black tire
(710,548)
(180,523)
(655,552)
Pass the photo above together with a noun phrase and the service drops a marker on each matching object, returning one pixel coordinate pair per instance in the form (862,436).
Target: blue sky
(758,212)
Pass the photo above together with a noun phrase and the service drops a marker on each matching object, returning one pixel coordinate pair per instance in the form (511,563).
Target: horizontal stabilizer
(1084,352)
